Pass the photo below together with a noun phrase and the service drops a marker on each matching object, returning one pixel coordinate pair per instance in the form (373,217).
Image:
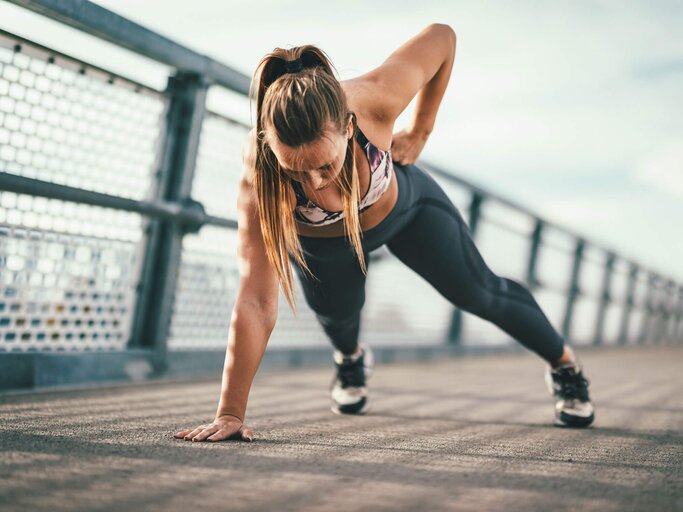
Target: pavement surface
(467,434)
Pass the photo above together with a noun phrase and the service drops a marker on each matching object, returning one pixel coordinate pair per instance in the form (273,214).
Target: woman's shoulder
(361,97)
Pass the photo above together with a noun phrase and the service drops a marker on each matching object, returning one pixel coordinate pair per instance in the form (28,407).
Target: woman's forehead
(309,156)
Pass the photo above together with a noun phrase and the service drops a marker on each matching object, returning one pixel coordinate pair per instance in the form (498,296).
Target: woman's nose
(316,180)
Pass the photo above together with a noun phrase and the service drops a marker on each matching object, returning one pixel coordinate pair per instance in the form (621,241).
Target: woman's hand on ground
(223,427)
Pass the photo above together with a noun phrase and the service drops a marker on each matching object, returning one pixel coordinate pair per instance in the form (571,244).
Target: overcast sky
(571,108)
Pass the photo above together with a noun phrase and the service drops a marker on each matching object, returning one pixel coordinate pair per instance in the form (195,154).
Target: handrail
(104,24)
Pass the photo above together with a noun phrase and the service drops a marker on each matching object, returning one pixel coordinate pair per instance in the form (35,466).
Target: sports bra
(381,169)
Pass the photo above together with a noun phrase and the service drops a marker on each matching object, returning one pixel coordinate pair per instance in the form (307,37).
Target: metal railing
(117,230)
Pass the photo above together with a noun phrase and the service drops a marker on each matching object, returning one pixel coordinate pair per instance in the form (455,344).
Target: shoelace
(573,385)
(351,374)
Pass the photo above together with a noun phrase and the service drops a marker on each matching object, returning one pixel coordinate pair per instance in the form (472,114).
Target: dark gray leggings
(426,232)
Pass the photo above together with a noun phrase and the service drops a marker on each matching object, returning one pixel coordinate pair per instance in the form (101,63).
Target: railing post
(658,301)
(666,305)
(678,323)
(163,244)
(574,291)
(674,311)
(646,326)
(659,314)
(536,240)
(605,298)
(628,304)
(455,329)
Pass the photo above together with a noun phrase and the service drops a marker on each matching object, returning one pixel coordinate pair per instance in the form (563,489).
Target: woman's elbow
(447,29)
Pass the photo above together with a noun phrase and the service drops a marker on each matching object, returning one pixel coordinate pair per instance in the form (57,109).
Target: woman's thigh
(438,245)
(338,286)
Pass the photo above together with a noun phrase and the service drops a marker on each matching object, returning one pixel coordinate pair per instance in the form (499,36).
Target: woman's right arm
(253,317)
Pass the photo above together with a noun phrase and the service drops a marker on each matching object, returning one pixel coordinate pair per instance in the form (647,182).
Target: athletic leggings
(426,232)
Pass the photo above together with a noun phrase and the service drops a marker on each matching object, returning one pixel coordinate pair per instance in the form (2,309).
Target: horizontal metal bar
(105,24)
(30,48)
(189,213)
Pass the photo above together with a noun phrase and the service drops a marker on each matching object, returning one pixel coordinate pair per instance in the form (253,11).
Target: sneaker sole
(566,420)
(362,407)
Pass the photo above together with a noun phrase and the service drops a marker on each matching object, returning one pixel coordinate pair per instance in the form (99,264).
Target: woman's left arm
(421,66)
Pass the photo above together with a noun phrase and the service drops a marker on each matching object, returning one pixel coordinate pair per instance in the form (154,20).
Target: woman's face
(317,163)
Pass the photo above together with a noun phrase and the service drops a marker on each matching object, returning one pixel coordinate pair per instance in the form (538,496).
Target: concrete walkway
(469,434)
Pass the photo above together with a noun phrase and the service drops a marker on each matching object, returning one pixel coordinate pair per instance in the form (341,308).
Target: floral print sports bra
(381,169)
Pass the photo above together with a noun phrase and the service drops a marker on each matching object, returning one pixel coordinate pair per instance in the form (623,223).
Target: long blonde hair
(296,107)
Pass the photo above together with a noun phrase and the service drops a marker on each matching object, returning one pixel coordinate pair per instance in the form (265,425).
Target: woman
(326,182)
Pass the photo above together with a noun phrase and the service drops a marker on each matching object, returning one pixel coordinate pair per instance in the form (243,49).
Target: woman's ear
(350,125)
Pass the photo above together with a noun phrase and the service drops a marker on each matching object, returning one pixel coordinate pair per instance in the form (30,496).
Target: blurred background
(567,113)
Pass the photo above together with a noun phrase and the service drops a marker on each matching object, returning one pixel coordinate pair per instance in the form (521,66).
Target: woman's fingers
(194,432)
(206,433)
(181,434)
(217,432)
(247,433)
(219,435)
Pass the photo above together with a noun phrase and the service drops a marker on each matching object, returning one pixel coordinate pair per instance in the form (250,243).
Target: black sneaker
(573,407)
(348,388)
